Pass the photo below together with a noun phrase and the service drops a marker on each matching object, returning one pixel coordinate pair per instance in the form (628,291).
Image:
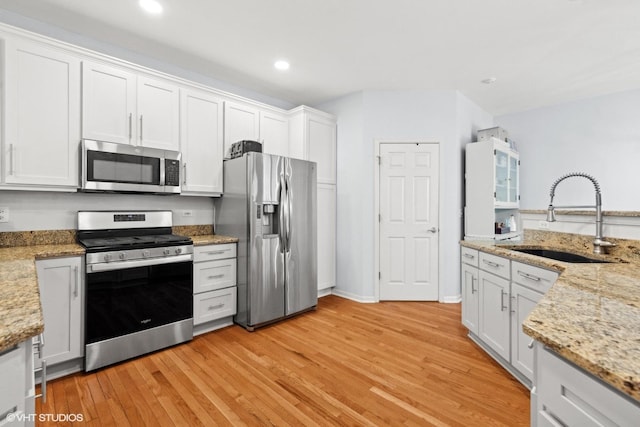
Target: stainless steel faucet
(598,242)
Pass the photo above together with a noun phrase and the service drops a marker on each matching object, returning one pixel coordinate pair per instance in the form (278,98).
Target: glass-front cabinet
(492,194)
(507,165)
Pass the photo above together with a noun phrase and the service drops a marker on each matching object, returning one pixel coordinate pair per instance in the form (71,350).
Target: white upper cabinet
(158,114)
(121,106)
(241,122)
(313,137)
(201,142)
(274,133)
(42,115)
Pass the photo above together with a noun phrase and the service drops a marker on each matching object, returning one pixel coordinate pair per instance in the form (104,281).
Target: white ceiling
(541,52)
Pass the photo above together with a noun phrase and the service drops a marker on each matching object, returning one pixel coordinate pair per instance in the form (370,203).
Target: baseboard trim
(353,297)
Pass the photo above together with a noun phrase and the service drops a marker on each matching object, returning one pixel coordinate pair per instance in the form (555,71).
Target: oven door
(128,300)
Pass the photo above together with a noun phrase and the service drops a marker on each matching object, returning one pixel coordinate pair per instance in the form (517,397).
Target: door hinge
(379,218)
(495,152)
(379,275)
(379,159)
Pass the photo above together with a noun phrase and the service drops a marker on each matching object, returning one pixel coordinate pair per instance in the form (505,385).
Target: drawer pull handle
(502,294)
(217,276)
(530,345)
(469,256)
(215,252)
(215,307)
(529,276)
(492,264)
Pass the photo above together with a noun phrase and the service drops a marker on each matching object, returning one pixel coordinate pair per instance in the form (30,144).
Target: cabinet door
(42,111)
(108,103)
(158,114)
(514,185)
(240,122)
(61,289)
(321,135)
(494,313)
(14,370)
(470,308)
(523,300)
(274,133)
(201,142)
(326,219)
(501,179)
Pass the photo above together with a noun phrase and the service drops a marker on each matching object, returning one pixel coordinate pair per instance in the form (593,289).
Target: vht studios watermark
(52,418)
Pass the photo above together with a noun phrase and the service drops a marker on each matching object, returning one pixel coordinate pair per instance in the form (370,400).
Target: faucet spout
(598,241)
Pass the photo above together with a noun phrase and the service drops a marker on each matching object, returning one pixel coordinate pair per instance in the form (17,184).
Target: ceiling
(541,52)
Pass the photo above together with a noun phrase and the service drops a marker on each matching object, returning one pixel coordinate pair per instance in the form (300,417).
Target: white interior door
(409,221)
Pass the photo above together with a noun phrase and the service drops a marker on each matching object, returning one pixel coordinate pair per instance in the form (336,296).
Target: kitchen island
(591,314)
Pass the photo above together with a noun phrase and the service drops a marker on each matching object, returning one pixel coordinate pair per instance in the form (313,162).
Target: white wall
(387,115)
(34,210)
(599,136)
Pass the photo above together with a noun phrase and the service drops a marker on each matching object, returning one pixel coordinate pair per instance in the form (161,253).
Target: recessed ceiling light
(281,65)
(489,80)
(151,6)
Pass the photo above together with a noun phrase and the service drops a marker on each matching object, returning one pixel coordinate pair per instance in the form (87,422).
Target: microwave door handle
(162,170)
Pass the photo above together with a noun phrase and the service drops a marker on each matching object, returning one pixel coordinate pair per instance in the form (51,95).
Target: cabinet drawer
(214,305)
(495,264)
(12,387)
(536,278)
(211,252)
(212,275)
(573,397)
(469,256)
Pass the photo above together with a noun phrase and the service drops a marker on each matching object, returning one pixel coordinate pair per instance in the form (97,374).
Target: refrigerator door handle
(281,216)
(289,209)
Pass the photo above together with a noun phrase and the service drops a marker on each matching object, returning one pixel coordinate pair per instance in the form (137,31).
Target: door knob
(432,230)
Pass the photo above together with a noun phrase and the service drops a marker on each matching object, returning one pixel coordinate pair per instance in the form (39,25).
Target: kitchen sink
(559,255)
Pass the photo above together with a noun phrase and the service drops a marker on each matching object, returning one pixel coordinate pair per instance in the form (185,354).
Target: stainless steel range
(139,284)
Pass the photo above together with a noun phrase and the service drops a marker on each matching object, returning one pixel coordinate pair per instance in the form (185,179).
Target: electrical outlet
(187,213)
(4,214)
(543,225)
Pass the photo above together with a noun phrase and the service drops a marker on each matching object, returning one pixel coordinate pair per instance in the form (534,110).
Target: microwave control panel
(172,172)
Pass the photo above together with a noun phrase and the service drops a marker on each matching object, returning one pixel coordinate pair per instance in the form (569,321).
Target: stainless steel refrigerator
(269,203)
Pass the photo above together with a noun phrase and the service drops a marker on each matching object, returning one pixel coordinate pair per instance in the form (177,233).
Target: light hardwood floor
(393,363)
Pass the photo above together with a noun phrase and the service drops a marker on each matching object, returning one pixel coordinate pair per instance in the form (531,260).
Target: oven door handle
(121,265)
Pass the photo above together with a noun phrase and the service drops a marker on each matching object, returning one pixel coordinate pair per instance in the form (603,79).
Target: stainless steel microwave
(107,166)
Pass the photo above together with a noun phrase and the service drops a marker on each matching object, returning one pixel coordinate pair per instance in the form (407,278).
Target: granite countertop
(591,315)
(20,309)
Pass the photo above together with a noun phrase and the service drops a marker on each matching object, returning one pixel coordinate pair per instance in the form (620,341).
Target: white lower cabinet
(497,296)
(60,281)
(494,324)
(528,285)
(568,396)
(214,286)
(326,235)
(17,389)
(470,294)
